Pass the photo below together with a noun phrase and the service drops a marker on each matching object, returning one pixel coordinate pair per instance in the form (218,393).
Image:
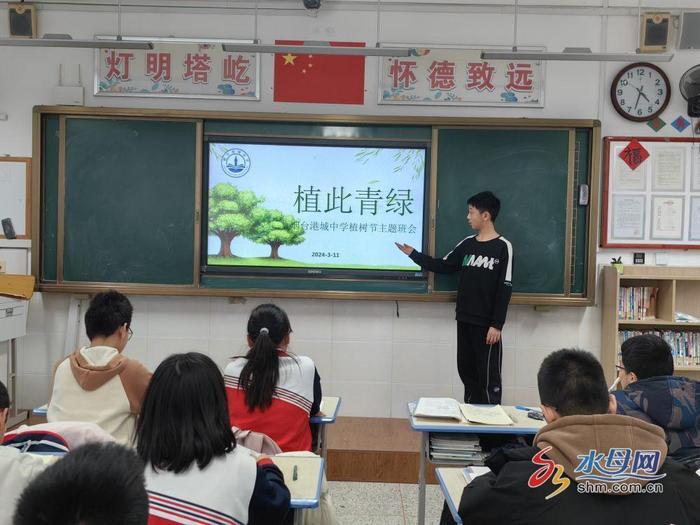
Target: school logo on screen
(235,163)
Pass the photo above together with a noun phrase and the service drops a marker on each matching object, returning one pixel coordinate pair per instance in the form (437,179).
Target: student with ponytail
(270,390)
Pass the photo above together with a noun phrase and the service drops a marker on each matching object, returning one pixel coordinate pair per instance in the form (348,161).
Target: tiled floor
(383,503)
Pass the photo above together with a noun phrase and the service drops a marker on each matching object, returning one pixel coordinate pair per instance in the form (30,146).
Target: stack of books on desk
(456,447)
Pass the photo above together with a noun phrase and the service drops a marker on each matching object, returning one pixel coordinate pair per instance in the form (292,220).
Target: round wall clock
(640,92)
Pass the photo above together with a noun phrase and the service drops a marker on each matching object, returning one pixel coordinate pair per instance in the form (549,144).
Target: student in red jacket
(270,390)
(195,473)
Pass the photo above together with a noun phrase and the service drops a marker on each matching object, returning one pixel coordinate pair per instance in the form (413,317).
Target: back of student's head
(107,312)
(268,326)
(572,382)
(184,416)
(486,201)
(647,356)
(96,484)
(4,397)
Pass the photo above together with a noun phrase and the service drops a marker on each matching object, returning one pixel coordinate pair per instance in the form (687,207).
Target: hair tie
(264,331)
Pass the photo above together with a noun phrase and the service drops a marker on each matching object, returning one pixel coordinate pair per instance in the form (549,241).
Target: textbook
(465,457)
(486,414)
(438,407)
(464,442)
(456,447)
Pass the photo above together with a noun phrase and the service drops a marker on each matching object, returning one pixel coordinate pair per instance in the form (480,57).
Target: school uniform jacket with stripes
(231,490)
(296,397)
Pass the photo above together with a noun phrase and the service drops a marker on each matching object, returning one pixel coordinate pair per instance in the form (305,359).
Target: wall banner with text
(459,77)
(179,68)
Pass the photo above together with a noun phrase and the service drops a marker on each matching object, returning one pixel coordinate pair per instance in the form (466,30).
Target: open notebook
(485,414)
(447,408)
(439,408)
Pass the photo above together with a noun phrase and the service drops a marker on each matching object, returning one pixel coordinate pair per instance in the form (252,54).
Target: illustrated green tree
(276,229)
(230,212)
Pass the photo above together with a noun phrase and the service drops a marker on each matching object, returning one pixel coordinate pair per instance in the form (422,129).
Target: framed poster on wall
(651,193)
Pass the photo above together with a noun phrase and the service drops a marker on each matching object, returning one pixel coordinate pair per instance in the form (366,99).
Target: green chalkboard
(129,201)
(528,171)
(128,215)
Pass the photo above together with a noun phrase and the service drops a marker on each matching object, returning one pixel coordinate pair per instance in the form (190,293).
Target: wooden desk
(452,483)
(306,489)
(330,406)
(522,425)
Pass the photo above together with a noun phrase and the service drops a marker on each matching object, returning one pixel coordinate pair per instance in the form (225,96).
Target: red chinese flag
(319,79)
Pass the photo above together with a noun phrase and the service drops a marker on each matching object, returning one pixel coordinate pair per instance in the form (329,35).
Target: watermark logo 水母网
(621,469)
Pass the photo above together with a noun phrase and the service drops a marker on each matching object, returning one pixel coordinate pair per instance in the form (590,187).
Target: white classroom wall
(375,360)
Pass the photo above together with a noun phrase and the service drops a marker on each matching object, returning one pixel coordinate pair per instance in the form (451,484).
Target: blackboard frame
(586,298)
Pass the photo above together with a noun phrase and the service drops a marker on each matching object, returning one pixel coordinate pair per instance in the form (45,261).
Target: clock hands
(640,93)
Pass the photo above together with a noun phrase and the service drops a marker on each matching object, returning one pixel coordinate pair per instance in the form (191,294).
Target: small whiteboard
(16,194)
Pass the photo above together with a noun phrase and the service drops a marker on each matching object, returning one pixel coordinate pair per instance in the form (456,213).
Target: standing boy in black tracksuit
(485,263)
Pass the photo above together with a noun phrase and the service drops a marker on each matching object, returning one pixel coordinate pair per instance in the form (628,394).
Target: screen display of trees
(234,213)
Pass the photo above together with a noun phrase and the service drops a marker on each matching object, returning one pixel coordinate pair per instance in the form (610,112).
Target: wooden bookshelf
(679,291)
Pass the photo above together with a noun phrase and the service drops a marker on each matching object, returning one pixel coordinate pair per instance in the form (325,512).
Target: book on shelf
(477,457)
(456,447)
(637,303)
(466,447)
(461,442)
(685,345)
(682,317)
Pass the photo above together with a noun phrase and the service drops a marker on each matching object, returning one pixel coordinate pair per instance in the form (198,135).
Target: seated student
(581,424)
(96,484)
(98,383)
(52,438)
(195,473)
(28,450)
(17,469)
(652,393)
(270,390)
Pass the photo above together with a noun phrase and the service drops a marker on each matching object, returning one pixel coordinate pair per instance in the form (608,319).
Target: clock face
(640,92)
